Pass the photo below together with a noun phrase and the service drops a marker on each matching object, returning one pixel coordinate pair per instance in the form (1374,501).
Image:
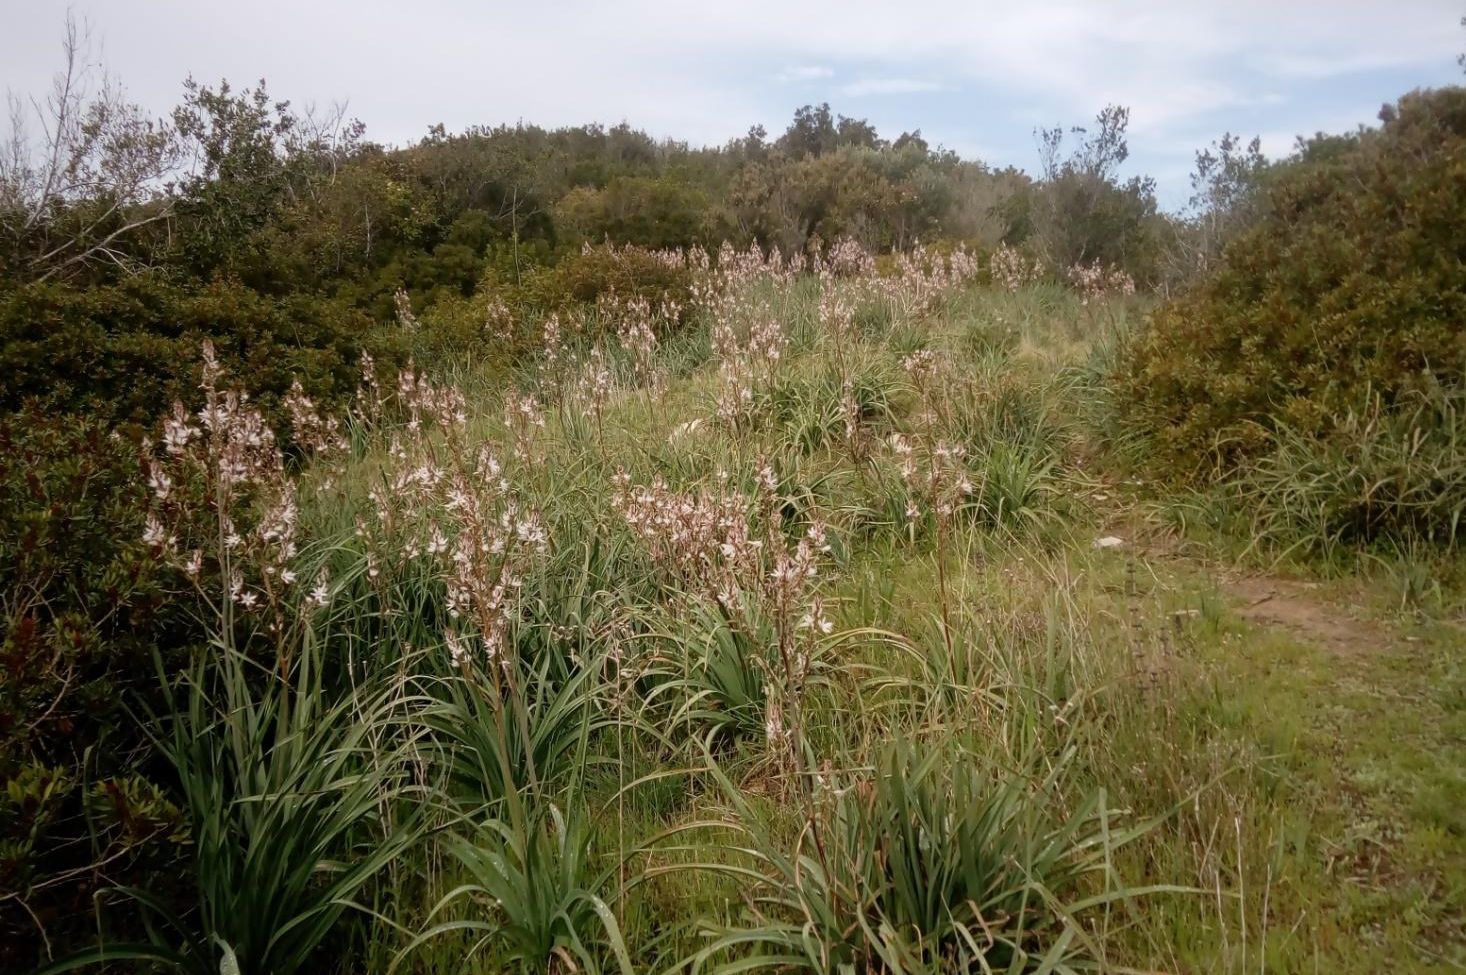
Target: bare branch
(97,174)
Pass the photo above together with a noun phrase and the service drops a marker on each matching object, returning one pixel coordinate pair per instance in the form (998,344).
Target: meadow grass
(802,657)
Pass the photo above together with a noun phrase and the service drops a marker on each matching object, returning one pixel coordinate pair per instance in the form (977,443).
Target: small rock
(1109,541)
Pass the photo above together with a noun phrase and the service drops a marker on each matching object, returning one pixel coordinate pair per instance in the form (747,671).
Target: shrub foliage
(86,607)
(1352,285)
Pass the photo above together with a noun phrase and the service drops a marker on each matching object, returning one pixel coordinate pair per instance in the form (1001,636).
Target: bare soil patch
(1298,607)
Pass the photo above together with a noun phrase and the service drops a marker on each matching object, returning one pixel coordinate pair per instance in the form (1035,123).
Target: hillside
(837,646)
(562,550)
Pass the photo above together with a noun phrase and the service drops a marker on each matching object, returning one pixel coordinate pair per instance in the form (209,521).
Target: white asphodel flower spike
(320,594)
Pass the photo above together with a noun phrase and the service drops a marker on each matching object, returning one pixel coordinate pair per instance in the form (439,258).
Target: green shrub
(125,352)
(629,272)
(483,328)
(85,609)
(1351,284)
(653,212)
(504,319)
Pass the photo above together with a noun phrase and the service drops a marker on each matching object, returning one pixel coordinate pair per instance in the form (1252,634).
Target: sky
(977,77)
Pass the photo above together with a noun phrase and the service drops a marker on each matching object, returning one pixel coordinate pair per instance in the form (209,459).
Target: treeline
(236,184)
(286,235)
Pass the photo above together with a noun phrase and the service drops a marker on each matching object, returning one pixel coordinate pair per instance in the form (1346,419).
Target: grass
(822,705)
(1320,778)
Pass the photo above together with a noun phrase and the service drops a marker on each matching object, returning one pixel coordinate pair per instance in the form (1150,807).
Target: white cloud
(806,72)
(888,86)
(705,72)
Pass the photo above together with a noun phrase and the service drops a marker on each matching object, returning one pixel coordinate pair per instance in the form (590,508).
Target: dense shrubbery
(86,606)
(600,271)
(656,212)
(283,234)
(1351,286)
(123,352)
(504,319)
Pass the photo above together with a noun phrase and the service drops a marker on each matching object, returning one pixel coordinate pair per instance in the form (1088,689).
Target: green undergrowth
(966,740)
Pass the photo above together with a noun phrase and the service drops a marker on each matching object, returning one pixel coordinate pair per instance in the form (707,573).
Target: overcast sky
(977,77)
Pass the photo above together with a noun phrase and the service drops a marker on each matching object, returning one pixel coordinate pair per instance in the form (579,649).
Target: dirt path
(1362,726)
(1260,598)
(1297,606)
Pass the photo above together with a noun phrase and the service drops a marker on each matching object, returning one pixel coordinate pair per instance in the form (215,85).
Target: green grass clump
(937,862)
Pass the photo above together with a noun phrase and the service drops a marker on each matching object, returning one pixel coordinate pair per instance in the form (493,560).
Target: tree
(812,133)
(1082,212)
(816,131)
(1225,200)
(80,193)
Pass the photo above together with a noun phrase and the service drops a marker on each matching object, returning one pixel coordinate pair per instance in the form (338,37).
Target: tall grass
(296,809)
(1384,478)
(761,644)
(937,861)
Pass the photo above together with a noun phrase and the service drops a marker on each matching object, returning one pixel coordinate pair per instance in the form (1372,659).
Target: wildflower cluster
(846,258)
(312,431)
(791,580)
(766,343)
(224,510)
(370,403)
(670,257)
(735,380)
(552,343)
(403,304)
(720,289)
(524,420)
(790,591)
(637,325)
(594,383)
(920,367)
(451,506)
(748,340)
(701,539)
(924,369)
(1095,282)
(499,323)
(427,403)
(1010,270)
(936,477)
(836,314)
(923,277)
(707,542)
